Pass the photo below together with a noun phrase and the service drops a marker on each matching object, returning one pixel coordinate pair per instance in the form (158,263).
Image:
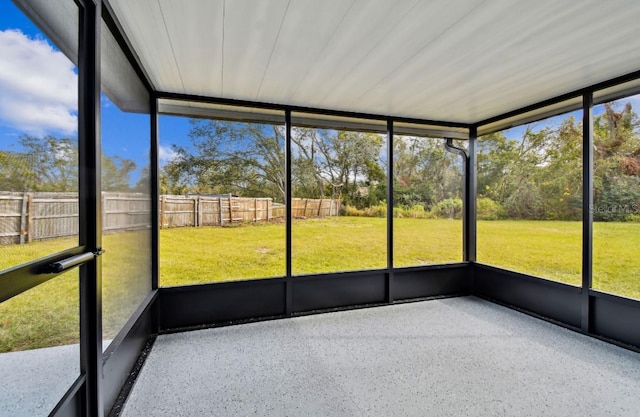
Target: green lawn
(547,249)
(196,255)
(47,315)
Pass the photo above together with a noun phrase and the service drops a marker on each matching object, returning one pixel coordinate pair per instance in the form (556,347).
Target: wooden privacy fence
(27,217)
(199,210)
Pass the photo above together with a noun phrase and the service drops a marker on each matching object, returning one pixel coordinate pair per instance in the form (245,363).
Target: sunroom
(319,208)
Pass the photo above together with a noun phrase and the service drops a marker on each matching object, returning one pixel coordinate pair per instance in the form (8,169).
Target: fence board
(27,217)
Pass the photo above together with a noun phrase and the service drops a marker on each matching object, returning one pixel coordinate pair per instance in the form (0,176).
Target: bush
(451,208)
(488,209)
(379,210)
(635,218)
(416,211)
(348,210)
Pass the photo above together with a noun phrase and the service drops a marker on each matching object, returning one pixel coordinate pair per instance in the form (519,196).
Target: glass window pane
(38,140)
(530,199)
(126,188)
(126,215)
(39,328)
(427,188)
(616,211)
(339,200)
(39,346)
(222,200)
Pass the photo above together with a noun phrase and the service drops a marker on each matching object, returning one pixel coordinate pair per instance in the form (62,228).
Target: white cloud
(166,154)
(38,86)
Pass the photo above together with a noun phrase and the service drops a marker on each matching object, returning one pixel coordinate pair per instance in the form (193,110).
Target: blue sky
(39,101)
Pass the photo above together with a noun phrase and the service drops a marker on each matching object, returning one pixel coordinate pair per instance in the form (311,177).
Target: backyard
(47,315)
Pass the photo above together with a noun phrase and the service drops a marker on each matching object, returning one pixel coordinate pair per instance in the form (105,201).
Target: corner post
(470,196)
(390,278)
(587,205)
(288,215)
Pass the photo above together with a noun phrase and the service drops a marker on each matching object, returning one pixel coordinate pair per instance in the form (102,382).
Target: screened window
(616,210)
(339,206)
(530,198)
(222,212)
(427,211)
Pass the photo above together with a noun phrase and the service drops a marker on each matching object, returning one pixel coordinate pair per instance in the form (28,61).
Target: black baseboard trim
(122,356)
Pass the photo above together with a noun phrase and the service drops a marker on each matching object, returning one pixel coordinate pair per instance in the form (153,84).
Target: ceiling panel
(356,36)
(422,26)
(251,29)
(196,35)
(143,23)
(462,61)
(305,30)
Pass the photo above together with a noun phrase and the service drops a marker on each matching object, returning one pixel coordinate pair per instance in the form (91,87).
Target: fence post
(103,200)
(162,201)
(268,210)
(255,209)
(23,218)
(30,215)
(320,209)
(220,209)
(196,213)
(230,211)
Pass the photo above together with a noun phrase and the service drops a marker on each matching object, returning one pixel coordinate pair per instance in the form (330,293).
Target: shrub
(379,210)
(416,211)
(488,209)
(451,208)
(352,211)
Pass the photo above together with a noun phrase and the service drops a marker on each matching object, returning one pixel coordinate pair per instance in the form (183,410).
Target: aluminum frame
(89,185)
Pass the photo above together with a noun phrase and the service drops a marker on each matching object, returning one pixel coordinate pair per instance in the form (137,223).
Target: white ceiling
(461,61)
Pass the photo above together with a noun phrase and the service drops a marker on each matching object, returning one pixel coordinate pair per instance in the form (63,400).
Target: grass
(548,249)
(47,315)
(197,255)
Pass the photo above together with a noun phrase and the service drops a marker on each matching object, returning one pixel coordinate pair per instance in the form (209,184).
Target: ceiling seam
(357,64)
(224,11)
(419,51)
(275,43)
(324,47)
(173,52)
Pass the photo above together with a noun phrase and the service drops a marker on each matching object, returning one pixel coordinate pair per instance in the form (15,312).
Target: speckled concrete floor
(33,381)
(452,357)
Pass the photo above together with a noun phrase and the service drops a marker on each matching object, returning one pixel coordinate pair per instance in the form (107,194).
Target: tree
(51,164)
(44,164)
(538,176)
(616,163)
(116,173)
(249,159)
(343,164)
(425,173)
(229,158)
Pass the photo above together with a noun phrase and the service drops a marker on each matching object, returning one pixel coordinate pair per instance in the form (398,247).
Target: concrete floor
(452,357)
(33,381)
